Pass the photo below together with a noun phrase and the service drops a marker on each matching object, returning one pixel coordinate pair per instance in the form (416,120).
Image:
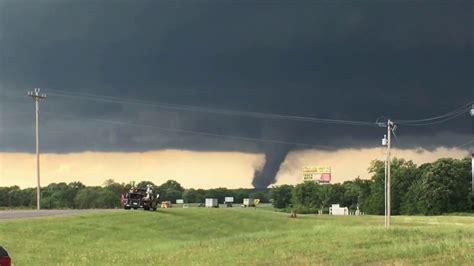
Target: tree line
(443,186)
(76,195)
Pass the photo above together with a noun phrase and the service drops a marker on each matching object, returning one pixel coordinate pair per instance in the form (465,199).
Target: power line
(437,119)
(465,144)
(417,122)
(193,132)
(434,122)
(193,108)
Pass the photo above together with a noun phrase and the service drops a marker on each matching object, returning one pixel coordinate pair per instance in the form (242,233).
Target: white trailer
(212,203)
(248,202)
(228,201)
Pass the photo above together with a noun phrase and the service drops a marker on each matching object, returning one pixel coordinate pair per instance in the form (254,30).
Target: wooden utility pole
(35,94)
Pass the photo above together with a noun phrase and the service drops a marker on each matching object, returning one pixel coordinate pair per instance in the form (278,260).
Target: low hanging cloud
(191,169)
(195,169)
(348,164)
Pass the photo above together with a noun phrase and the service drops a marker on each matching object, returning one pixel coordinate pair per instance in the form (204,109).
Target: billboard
(321,174)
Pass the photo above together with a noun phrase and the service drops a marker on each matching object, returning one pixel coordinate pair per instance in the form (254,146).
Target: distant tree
(364,192)
(108,182)
(442,187)
(28,197)
(172,184)
(351,195)
(219,193)
(116,188)
(87,198)
(144,184)
(375,202)
(411,204)
(194,195)
(281,196)
(13,196)
(262,195)
(337,195)
(404,173)
(190,195)
(306,197)
(172,194)
(73,189)
(240,194)
(107,199)
(200,195)
(76,185)
(170,191)
(327,196)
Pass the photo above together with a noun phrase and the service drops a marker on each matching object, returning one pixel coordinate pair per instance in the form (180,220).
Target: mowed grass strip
(199,236)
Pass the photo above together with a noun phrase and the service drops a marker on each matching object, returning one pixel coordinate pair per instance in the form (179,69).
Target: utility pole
(35,94)
(387,141)
(472,153)
(389,144)
(472,170)
(384,143)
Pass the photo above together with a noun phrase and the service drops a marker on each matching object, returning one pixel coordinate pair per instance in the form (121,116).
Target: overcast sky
(351,60)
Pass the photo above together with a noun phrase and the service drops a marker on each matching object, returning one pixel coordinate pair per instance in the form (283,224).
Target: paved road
(44,213)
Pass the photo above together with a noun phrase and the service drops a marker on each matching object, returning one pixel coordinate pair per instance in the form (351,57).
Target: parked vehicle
(139,198)
(212,203)
(4,258)
(248,202)
(166,205)
(228,201)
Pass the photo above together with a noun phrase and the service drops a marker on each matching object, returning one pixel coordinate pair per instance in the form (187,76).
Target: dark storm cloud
(355,60)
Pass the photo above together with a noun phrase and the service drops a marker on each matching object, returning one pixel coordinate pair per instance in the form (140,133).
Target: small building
(212,203)
(179,201)
(335,209)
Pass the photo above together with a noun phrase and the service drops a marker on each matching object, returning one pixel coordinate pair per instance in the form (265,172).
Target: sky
(345,60)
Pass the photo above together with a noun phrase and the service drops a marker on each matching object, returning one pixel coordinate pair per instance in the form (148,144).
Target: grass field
(236,236)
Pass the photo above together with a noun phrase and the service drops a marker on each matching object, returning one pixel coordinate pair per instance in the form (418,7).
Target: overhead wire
(465,143)
(417,122)
(433,122)
(437,119)
(111,99)
(193,132)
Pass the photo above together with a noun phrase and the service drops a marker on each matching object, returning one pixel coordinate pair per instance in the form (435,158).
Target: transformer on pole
(35,94)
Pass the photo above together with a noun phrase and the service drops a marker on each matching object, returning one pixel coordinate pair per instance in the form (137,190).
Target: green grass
(236,236)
